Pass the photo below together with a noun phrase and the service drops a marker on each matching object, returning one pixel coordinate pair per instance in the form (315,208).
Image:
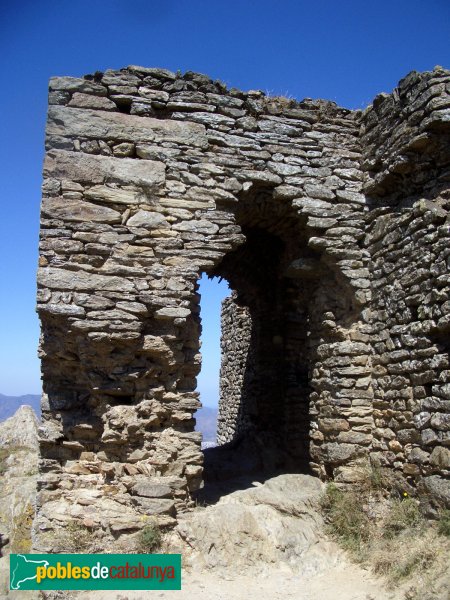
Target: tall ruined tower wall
(329,225)
(406,141)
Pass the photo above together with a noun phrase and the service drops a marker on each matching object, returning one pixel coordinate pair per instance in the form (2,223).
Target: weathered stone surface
(201,226)
(73,84)
(153,506)
(20,430)
(435,493)
(154,72)
(111,195)
(77,122)
(337,453)
(63,279)
(90,101)
(68,310)
(148,489)
(440,457)
(77,210)
(172,313)
(145,218)
(18,482)
(268,517)
(103,169)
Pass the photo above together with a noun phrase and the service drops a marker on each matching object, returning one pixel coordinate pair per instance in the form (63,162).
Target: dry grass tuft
(346,519)
(394,540)
(74,538)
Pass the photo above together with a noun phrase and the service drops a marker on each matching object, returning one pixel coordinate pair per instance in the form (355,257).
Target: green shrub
(149,538)
(444,523)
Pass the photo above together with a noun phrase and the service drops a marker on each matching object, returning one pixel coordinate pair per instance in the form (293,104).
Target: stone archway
(283,291)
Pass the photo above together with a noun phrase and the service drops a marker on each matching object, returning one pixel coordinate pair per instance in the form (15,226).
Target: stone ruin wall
(235,405)
(331,227)
(406,137)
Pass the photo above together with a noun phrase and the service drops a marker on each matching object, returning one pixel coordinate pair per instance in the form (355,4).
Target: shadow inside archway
(243,463)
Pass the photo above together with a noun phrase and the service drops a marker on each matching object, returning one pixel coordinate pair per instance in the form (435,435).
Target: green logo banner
(95,572)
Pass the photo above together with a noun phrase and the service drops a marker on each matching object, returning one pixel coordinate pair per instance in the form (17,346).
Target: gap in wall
(212,292)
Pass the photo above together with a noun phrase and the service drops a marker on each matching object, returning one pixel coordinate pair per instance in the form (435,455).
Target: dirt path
(263,543)
(344,582)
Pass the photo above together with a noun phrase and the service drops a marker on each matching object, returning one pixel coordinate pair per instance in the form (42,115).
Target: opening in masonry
(212,292)
(264,386)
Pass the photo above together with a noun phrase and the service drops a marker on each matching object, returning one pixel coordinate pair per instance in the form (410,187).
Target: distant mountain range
(206,417)
(207,423)
(9,404)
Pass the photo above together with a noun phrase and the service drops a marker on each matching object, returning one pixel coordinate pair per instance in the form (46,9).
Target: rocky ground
(18,475)
(266,540)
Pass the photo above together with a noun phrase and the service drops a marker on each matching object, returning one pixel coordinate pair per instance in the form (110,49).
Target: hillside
(206,419)
(10,404)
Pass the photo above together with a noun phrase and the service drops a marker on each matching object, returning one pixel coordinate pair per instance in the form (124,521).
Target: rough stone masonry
(332,229)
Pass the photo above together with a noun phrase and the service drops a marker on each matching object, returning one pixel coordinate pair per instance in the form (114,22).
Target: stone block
(78,122)
(78,210)
(90,169)
(62,279)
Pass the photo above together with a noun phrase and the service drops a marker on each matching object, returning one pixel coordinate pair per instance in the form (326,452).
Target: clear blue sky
(345,51)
